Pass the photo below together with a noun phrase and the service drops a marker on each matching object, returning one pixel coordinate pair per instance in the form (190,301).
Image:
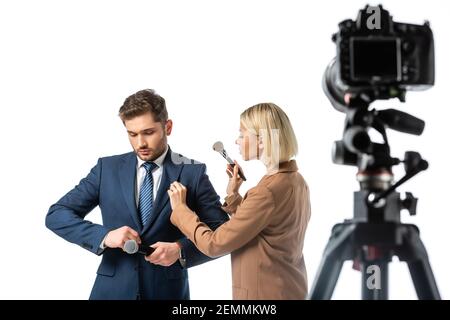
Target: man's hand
(165,254)
(117,238)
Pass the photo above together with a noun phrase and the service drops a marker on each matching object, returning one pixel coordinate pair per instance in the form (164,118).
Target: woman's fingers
(172,190)
(177,187)
(236,170)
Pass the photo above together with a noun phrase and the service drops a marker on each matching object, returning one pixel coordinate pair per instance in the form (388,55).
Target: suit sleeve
(66,217)
(251,217)
(208,207)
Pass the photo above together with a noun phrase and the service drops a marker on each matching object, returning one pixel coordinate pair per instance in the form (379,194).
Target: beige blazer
(264,235)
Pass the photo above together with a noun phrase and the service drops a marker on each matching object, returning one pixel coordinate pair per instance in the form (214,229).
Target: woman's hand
(235,180)
(177,193)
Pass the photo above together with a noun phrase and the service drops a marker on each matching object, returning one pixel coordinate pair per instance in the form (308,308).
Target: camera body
(377,58)
(375,51)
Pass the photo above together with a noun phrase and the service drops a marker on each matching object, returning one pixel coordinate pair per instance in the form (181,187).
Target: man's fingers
(125,239)
(156,245)
(230,175)
(133,232)
(129,234)
(161,259)
(155,257)
(133,236)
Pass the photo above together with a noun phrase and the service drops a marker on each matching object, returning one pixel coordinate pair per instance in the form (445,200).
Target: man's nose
(141,141)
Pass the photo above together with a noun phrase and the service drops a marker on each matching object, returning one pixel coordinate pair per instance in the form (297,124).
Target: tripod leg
(331,264)
(419,266)
(326,279)
(423,280)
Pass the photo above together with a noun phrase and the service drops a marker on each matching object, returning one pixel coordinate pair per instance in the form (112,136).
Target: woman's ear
(260,148)
(260,142)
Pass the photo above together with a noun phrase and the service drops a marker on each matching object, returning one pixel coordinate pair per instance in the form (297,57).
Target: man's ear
(168,127)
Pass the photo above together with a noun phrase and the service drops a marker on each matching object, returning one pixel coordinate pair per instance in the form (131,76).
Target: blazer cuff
(231,203)
(100,247)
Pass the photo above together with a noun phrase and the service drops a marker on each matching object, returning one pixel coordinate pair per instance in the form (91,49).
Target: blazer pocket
(240,293)
(175,272)
(106,269)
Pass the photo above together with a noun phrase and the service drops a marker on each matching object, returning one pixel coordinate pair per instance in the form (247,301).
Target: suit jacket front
(111,186)
(264,235)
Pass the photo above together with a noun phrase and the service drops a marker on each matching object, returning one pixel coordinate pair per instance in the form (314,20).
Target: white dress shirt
(156,173)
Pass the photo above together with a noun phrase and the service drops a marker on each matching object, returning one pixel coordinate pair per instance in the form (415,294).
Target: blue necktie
(146,193)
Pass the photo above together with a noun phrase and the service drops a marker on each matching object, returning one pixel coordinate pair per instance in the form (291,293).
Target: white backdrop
(67,66)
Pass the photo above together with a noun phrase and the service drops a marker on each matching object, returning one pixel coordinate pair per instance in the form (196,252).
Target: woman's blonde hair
(271,124)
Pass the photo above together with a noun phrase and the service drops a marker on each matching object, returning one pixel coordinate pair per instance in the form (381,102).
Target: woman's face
(249,147)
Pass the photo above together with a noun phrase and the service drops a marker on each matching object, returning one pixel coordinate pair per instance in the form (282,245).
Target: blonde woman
(267,227)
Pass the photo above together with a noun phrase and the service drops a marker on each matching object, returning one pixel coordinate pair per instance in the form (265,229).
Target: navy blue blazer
(111,185)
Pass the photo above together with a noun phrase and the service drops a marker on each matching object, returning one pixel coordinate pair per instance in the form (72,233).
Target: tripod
(374,235)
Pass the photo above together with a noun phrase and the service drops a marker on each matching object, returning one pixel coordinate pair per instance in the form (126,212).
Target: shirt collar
(159,161)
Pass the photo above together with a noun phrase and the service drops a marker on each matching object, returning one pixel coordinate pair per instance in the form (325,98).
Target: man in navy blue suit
(131,190)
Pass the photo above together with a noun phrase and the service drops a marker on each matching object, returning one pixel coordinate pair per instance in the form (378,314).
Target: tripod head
(374,160)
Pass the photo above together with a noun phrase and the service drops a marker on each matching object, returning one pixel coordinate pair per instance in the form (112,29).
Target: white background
(67,66)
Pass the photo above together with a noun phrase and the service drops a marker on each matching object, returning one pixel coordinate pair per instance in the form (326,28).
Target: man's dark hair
(142,102)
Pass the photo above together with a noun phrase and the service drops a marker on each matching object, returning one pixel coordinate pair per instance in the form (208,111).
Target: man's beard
(149,154)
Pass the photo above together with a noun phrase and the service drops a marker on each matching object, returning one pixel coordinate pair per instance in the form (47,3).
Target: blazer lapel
(127,177)
(171,172)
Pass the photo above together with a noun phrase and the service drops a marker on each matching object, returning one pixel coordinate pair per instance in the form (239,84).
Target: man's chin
(145,156)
